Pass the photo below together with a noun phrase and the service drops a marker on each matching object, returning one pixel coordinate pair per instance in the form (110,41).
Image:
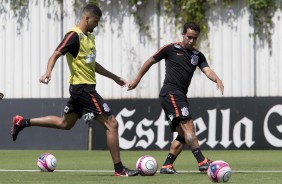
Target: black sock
(118,167)
(198,155)
(170,159)
(25,123)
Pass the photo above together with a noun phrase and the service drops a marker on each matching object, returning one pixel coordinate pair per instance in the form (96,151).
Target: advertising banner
(220,123)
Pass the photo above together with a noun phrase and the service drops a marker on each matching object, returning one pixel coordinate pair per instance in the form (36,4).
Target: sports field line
(107,171)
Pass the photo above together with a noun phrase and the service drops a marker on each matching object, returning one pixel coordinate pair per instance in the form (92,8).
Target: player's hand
(121,81)
(45,78)
(219,85)
(1,96)
(132,85)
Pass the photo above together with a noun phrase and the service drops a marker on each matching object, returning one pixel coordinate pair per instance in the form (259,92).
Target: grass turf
(252,167)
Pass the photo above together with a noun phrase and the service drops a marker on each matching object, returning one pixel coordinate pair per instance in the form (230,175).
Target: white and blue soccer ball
(47,162)
(219,171)
(147,165)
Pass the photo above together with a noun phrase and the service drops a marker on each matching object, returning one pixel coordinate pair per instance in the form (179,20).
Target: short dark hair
(92,9)
(191,25)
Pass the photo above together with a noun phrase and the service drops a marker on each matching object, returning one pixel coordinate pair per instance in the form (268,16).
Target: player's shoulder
(171,46)
(196,52)
(176,45)
(72,35)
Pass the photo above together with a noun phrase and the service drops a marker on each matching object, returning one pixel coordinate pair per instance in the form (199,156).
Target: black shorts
(84,100)
(176,107)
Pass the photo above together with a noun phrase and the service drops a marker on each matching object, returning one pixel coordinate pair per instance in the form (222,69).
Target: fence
(245,66)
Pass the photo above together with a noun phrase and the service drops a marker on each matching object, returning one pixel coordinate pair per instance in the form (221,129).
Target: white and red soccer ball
(219,171)
(47,162)
(147,165)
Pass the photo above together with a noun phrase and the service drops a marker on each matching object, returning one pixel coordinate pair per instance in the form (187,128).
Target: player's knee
(112,122)
(65,125)
(68,127)
(191,138)
(180,139)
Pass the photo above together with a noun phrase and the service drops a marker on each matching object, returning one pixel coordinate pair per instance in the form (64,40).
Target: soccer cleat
(204,165)
(16,127)
(127,172)
(168,169)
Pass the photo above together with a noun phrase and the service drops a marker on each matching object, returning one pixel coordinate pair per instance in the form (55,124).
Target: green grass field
(252,167)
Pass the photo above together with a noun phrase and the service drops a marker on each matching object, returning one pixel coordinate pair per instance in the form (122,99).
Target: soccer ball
(219,171)
(47,162)
(147,165)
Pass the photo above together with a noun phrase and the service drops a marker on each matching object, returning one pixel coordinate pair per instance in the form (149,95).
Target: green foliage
(93,1)
(227,3)
(186,11)
(182,11)
(17,5)
(78,4)
(262,12)
(135,7)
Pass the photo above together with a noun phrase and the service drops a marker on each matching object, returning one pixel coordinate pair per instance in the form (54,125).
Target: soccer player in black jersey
(181,60)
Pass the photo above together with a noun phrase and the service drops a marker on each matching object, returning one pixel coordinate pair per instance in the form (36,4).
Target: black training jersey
(70,44)
(180,65)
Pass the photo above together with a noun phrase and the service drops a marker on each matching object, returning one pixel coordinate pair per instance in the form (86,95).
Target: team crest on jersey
(194,59)
(106,107)
(185,111)
(177,46)
(91,57)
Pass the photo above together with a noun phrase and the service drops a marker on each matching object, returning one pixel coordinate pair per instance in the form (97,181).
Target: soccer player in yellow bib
(79,47)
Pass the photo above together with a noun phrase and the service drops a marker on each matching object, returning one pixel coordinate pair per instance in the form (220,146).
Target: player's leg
(72,111)
(111,125)
(178,144)
(95,106)
(176,147)
(187,126)
(66,122)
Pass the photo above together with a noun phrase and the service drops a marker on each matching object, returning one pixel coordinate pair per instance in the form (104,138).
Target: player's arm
(145,67)
(212,76)
(102,71)
(70,44)
(51,63)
